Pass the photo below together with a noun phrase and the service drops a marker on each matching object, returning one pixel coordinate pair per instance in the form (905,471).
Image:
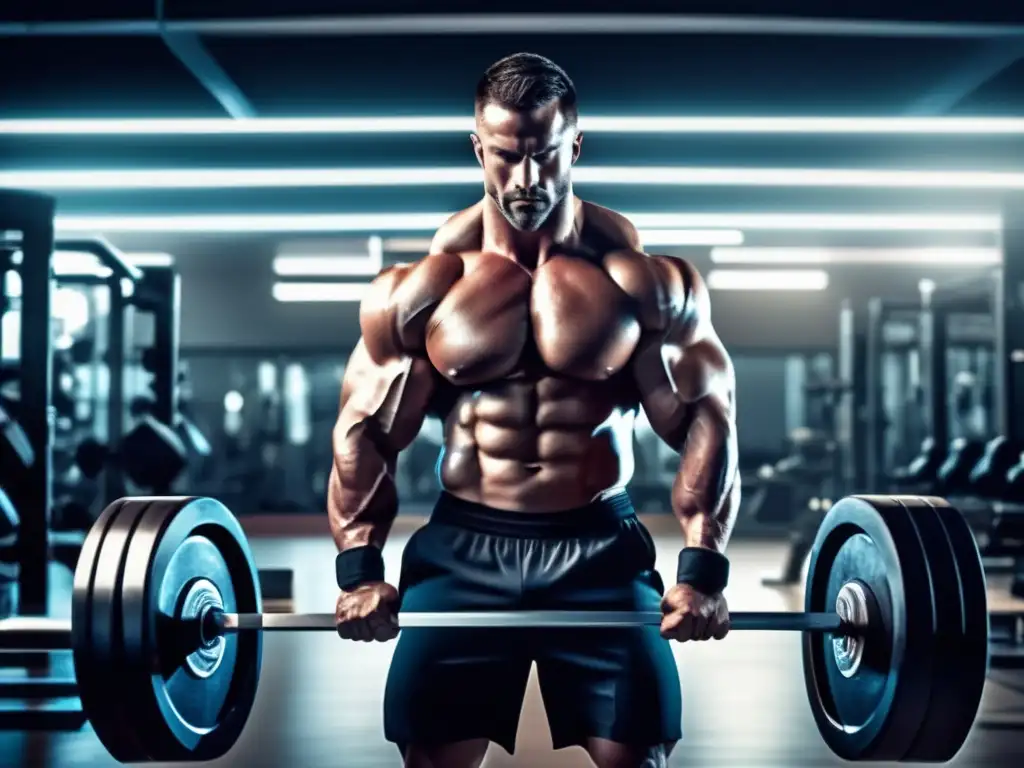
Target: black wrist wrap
(359,565)
(705,570)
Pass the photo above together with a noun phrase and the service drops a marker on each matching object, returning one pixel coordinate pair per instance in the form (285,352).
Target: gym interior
(193,204)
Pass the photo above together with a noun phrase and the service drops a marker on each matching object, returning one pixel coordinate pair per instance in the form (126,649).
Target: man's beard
(527,217)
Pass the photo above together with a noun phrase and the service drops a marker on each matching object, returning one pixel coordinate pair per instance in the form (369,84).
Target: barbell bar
(755,621)
(46,634)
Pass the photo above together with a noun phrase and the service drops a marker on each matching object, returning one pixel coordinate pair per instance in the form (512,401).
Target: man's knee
(610,754)
(461,754)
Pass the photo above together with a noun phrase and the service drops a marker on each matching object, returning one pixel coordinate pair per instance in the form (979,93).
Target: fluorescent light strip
(292,261)
(253,223)
(325,266)
(278,178)
(648,237)
(823,222)
(462,124)
(767,280)
(428,222)
(930,256)
(147,259)
(662,237)
(318,292)
(72,263)
(407,244)
(375,249)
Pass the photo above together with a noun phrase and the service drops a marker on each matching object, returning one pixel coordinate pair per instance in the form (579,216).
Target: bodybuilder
(535,330)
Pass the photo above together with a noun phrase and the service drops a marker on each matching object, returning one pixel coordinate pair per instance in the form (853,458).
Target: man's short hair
(524,82)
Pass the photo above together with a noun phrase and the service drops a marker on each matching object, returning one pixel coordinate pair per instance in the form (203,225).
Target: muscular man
(535,330)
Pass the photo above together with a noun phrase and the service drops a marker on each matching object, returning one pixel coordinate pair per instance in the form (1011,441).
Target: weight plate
(192,702)
(936,741)
(874,712)
(962,664)
(95,610)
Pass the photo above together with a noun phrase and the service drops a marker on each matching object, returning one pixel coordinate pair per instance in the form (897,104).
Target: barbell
(166,628)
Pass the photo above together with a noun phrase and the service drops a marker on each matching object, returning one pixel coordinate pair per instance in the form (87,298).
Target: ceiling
(875,59)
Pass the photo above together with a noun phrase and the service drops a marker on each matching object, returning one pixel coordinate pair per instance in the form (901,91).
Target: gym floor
(319,700)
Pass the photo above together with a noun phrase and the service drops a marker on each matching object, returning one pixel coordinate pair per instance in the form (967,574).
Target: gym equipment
(1009,321)
(166,613)
(159,294)
(771,498)
(989,478)
(890,334)
(953,477)
(923,470)
(786,487)
(9,519)
(26,218)
(64,548)
(151,455)
(878,550)
(15,448)
(851,427)
(1015,480)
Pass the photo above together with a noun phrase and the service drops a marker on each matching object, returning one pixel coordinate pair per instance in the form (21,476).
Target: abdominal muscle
(539,446)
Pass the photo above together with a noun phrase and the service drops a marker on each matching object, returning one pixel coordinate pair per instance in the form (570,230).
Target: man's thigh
(613,684)
(617,685)
(448,685)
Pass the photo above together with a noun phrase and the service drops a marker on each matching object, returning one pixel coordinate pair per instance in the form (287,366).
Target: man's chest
(567,317)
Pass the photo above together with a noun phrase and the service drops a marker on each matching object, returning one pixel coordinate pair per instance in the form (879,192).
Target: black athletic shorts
(448,685)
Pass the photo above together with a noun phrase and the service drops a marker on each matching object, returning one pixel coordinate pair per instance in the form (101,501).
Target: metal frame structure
(32,214)
(159,293)
(120,269)
(1008,307)
(850,412)
(516,23)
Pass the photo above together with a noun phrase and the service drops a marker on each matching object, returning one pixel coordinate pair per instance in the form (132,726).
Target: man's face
(527,158)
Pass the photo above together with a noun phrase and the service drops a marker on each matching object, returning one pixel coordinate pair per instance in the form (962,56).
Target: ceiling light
(767,280)
(931,256)
(463,124)
(277,178)
(661,237)
(429,222)
(319,292)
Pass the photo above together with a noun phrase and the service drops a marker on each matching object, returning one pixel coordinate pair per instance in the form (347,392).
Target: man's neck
(531,248)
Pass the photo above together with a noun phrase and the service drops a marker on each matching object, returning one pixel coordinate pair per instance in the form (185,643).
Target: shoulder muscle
(667,291)
(394,313)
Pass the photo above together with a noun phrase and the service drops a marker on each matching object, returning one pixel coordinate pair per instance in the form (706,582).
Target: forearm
(362,500)
(706,492)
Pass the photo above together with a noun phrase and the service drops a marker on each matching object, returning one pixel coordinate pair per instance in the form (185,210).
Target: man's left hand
(691,615)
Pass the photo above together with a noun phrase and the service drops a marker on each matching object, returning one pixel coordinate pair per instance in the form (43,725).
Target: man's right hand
(368,613)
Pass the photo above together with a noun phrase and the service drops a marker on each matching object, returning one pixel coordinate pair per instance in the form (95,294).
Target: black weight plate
(960,676)
(97,652)
(939,738)
(188,717)
(81,618)
(874,714)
